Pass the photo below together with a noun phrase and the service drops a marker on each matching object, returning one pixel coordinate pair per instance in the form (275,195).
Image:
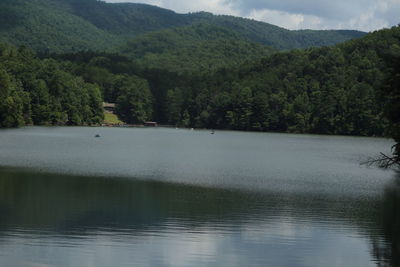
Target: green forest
(42,92)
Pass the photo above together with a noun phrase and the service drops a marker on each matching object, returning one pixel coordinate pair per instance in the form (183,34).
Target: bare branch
(383,161)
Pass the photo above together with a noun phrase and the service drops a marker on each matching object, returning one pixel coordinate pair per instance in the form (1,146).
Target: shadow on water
(73,203)
(78,207)
(388,253)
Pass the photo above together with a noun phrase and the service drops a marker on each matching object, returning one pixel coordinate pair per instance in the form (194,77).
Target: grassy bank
(110,118)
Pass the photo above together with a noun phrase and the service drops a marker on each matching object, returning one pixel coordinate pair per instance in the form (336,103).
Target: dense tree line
(118,79)
(391,92)
(315,91)
(330,90)
(349,89)
(42,92)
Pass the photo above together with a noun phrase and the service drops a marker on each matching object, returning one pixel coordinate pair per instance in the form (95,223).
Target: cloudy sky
(366,15)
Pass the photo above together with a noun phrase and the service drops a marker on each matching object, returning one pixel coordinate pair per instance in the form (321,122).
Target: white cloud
(285,19)
(181,6)
(214,6)
(366,15)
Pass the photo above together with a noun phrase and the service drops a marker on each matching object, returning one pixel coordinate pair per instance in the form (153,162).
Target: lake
(172,197)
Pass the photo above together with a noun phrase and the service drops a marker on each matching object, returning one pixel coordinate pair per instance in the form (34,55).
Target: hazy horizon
(363,15)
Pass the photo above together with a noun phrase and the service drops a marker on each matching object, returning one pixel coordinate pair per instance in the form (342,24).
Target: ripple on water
(164,197)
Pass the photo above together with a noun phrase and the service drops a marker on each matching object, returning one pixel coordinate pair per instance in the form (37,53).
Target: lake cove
(167,197)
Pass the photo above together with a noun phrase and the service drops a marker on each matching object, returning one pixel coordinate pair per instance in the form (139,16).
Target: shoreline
(141,126)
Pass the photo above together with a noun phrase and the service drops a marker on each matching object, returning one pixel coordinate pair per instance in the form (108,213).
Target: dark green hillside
(199,47)
(312,38)
(73,25)
(126,19)
(330,90)
(48,25)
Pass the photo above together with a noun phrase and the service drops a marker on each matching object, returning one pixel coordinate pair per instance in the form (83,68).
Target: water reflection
(388,252)
(104,221)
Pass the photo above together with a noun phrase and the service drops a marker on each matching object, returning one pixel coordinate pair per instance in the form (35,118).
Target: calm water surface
(167,197)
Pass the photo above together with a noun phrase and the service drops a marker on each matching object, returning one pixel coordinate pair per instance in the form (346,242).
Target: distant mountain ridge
(72,25)
(277,37)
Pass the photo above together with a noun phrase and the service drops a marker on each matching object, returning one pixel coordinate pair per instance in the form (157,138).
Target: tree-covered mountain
(73,25)
(277,37)
(329,90)
(126,19)
(48,25)
(196,48)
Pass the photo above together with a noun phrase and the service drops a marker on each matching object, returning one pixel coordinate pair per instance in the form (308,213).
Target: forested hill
(196,48)
(49,25)
(329,90)
(73,25)
(277,37)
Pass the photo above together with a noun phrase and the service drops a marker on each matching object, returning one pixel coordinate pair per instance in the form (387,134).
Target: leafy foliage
(134,105)
(320,90)
(391,91)
(43,93)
